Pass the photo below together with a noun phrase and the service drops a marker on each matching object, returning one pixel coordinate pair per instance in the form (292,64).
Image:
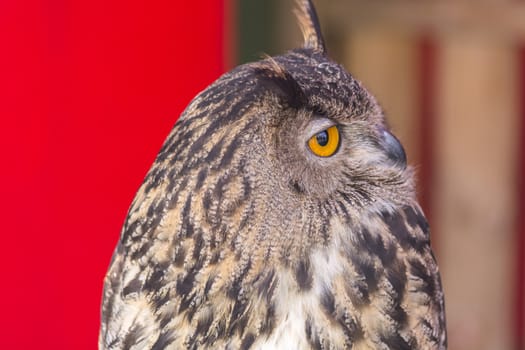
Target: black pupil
(322,138)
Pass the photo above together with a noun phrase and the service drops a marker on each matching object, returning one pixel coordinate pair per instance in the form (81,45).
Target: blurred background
(89,91)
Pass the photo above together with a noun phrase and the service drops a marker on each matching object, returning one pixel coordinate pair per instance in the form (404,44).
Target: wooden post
(476,145)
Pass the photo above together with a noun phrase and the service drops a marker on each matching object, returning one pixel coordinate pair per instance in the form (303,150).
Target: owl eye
(325,143)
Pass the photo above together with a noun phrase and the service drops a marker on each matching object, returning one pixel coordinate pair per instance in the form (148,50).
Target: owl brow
(283,83)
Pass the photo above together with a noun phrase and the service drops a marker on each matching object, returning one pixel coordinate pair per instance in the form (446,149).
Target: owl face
(329,131)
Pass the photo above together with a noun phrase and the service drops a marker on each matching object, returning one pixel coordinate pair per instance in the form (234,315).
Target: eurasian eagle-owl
(279,214)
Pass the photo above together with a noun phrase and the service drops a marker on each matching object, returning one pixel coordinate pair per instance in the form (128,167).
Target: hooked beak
(394,149)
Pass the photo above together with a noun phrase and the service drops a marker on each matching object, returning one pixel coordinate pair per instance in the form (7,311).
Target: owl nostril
(394,149)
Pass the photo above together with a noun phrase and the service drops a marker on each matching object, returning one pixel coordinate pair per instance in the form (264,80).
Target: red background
(88,92)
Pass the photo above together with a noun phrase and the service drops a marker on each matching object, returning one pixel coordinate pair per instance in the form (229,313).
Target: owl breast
(298,309)
(368,290)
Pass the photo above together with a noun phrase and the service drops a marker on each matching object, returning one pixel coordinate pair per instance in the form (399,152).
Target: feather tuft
(310,27)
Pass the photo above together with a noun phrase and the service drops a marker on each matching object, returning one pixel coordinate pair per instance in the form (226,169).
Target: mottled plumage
(242,238)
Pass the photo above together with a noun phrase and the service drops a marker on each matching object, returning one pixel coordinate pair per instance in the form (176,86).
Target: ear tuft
(309,23)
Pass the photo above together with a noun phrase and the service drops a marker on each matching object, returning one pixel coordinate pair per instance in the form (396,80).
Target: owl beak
(394,149)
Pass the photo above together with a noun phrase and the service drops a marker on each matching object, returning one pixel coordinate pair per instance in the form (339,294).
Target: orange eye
(325,143)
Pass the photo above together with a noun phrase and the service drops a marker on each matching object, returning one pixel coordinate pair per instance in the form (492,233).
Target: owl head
(268,155)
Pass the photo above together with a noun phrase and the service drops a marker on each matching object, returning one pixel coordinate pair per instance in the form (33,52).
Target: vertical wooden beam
(519,309)
(476,145)
(257,31)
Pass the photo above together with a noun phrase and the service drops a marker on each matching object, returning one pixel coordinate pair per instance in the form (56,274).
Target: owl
(279,214)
